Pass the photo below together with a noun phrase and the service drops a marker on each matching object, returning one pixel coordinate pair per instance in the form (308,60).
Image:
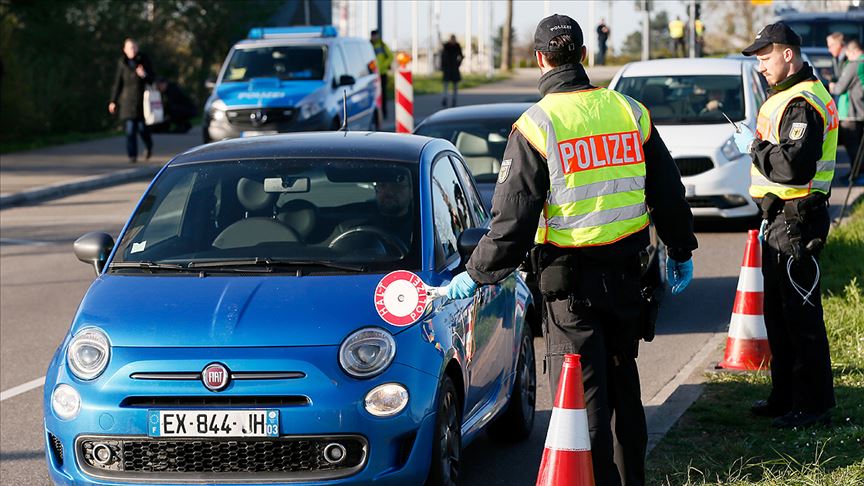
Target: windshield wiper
(276,262)
(152,266)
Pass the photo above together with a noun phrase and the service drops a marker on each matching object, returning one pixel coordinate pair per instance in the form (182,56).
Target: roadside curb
(76,186)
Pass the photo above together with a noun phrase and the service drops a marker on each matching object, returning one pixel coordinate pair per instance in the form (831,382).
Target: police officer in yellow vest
(676,32)
(793,153)
(384,60)
(587,163)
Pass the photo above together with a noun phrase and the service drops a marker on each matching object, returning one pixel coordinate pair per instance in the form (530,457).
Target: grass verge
(431,84)
(717,441)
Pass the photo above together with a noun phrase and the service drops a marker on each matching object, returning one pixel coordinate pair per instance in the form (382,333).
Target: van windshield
(284,62)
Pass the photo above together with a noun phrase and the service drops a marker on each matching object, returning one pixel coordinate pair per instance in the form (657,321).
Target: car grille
(259,118)
(285,458)
(56,448)
(689,166)
(217,401)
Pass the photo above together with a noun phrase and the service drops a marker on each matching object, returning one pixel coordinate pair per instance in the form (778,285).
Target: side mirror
(468,241)
(346,80)
(210,83)
(94,248)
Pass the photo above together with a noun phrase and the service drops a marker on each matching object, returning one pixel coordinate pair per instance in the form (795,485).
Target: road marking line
(17,390)
(661,396)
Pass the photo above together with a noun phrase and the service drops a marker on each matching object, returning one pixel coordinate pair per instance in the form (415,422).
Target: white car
(687,99)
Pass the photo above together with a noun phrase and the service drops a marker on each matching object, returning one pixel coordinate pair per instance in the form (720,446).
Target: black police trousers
(601,322)
(800,361)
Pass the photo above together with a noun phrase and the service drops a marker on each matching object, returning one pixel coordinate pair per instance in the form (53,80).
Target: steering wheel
(381,235)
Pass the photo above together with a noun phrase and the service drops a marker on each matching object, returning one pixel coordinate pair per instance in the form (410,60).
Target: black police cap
(553,26)
(778,33)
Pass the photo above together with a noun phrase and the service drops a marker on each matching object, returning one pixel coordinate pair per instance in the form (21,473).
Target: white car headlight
(218,109)
(367,352)
(66,402)
(386,400)
(730,150)
(88,353)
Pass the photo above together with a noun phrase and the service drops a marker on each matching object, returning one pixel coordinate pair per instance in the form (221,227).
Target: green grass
(431,84)
(718,441)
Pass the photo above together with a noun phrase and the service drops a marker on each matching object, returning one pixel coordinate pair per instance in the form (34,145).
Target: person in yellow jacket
(588,165)
(793,152)
(384,59)
(676,32)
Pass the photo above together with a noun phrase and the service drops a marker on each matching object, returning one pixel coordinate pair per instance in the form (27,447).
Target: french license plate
(259,133)
(213,423)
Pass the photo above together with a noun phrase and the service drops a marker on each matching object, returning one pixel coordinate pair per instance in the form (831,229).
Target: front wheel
(447,441)
(517,420)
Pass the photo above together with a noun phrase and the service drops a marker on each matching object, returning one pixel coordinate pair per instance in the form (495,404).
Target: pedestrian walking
(134,73)
(589,165)
(451,59)
(178,107)
(602,38)
(837,47)
(699,29)
(850,101)
(676,32)
(793,152)
(384,59)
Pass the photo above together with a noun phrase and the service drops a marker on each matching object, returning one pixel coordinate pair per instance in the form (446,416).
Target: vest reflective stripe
(768,128)
(592,141)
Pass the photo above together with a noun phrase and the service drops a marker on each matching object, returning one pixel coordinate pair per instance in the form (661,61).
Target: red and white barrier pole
(404,95)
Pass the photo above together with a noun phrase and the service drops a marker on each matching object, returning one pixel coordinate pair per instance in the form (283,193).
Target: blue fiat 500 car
(232,334)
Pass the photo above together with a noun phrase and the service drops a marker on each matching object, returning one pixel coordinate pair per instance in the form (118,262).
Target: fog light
(102,454)
(334,453)
(66,402)
(386,400)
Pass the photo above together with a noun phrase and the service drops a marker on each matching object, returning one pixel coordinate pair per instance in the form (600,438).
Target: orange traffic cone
(567,455)
(747,344)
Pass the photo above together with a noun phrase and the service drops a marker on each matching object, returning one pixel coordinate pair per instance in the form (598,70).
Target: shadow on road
(21,455)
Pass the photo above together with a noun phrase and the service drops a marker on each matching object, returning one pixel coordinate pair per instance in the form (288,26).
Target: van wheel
(447,439)
(516,422)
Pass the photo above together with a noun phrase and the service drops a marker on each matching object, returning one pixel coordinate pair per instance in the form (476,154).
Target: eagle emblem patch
(505,170)
(797,131)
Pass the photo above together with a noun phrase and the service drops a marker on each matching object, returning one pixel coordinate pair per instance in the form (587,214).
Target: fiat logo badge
(215,376)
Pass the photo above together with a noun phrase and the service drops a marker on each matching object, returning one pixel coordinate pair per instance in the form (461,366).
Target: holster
(651,294)
(558,274)
(796,213)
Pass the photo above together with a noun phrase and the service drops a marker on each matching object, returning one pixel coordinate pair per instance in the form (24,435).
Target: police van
(291,79)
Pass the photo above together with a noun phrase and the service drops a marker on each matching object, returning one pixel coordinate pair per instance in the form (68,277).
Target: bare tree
(507,39)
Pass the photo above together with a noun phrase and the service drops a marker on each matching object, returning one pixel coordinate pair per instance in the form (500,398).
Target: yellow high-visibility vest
(676,29)
(700,27)
(768,128)
(592,141)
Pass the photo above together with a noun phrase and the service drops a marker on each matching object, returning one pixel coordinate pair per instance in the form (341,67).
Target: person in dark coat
(451,58)
(178,107)
(134,72)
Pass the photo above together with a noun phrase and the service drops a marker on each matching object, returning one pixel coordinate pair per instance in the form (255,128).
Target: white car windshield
(360,213)
(679,100)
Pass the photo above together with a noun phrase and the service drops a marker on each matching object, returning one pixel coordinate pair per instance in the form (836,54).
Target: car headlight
(310,109)
(730,150)
(386,400)
(367,352)
(88,353)
(66,402)
(218,109)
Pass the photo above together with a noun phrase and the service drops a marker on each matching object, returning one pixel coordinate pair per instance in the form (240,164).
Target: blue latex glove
(679,274)
(762,230)
(743,138)
(461,287)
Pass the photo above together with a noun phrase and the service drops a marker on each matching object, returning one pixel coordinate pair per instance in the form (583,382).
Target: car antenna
(344,111)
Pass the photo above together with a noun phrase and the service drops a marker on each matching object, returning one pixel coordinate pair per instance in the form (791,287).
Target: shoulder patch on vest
(797,131)
(505,170)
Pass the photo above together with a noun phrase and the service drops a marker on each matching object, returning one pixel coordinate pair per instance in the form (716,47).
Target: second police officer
(587,163)
(793,153)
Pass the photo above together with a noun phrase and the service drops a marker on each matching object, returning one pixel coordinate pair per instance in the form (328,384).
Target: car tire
(517,420)
(447,438)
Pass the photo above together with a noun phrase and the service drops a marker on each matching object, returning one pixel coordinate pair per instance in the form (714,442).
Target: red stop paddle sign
(400,298)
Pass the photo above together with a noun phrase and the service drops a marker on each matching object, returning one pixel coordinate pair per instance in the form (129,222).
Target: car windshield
(284,62)
(333,214)
(678,100)
(480,143)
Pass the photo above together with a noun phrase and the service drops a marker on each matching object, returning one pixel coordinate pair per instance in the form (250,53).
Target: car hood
(187,311)
(266,92)
(680,138)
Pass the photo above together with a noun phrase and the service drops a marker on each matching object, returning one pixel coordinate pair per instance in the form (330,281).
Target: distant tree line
(59,58)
